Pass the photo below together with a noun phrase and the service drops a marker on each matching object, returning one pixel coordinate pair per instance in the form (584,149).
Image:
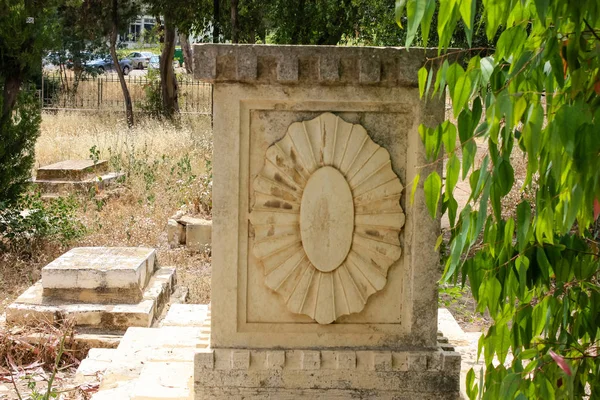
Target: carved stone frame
(233,104)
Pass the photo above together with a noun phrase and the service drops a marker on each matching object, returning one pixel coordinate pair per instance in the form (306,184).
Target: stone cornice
(309,65)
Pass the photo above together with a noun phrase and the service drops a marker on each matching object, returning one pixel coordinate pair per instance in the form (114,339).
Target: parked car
(106,64)
(154,62)
(140,59)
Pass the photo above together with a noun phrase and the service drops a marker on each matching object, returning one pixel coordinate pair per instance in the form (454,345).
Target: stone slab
(450,328)
(187,315)
(142,347)
(100,274)
(198,233)
(54,188)
(175,233)
(222,373)
(309,65)
(164,381)
(72,170)
(90,369)
(32,306)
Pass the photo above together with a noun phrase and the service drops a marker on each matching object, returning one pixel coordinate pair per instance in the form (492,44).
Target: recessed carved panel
(326,217)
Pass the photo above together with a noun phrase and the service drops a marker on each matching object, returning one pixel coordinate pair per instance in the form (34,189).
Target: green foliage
(153,104)
(32,219)
(17,145)
(537,269)
(25,32)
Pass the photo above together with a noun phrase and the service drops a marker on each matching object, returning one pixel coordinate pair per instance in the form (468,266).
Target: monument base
(327,374)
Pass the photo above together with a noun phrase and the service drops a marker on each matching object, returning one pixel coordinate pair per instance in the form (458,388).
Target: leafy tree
(26,31)
(186,17)
(535,270)
(106,18)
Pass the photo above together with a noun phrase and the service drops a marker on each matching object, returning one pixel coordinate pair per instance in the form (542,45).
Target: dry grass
(165,167)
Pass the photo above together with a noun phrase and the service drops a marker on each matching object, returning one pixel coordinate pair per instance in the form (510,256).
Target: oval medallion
(327,219)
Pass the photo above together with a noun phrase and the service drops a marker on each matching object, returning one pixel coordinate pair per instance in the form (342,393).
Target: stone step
(104,275)
(186,315)
(72,170)
(165,381)
(96,362)
(143,346)
(32,307)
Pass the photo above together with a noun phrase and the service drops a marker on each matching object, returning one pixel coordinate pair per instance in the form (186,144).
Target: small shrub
(152,104)
(33,219)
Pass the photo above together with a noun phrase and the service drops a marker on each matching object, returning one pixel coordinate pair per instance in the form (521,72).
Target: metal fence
(103,93)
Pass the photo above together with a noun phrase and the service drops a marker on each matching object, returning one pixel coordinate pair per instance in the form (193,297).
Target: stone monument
(324,276)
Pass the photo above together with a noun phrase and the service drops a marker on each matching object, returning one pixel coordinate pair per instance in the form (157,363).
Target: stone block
(72,170)
(198,233)
(99,274)
(175,233)
(90,369)
(32,307)
(186,315)
(164,381)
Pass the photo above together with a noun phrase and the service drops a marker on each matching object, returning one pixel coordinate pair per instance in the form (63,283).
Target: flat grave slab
(34,306)
(100,274)
(73,170)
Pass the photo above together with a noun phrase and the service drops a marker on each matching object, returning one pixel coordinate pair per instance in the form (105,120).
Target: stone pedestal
(324,277)
(104,289)
(69,175)
(192,232)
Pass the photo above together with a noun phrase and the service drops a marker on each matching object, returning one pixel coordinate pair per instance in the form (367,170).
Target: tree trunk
(12,85)
(216,13)
(168,80)
(235,24)
(113,53)
(186,49)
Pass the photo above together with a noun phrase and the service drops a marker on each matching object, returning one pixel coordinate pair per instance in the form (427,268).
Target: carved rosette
(326,217)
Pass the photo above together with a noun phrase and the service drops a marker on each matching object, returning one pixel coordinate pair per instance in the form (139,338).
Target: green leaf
(462,93)
(541,7)
(426,21)
(510,385)
(414,188)
(510,42)
(415,9)
(467,10)
(471,385)
(422,80)
(446,21)
(399,11)
(501,344)
(469,151)
(487,66)
(523,224)
(449,136)
(489,292)
(432,188)
(505,177)
(452,171)
(455,71)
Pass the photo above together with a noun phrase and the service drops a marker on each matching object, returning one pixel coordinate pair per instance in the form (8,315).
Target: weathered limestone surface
(82,175)
(100,274)
(195,233)
(153,363)
(101,289)
(315,245)
(72,170)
